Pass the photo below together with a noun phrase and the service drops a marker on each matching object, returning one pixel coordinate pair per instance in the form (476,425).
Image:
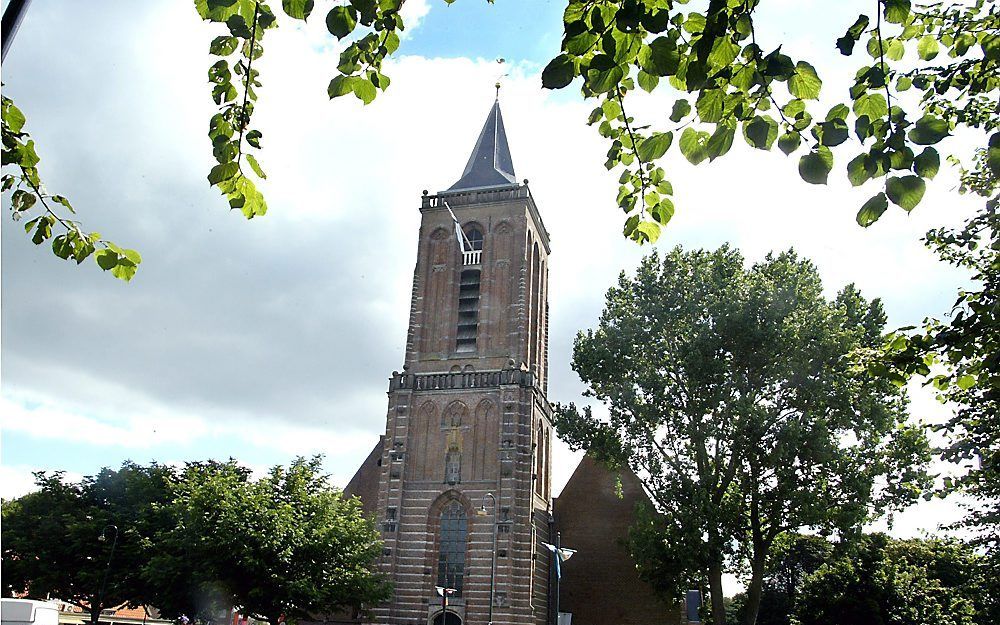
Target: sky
(273,338)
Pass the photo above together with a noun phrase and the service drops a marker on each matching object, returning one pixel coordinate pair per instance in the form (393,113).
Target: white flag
(459,233)
(562,554)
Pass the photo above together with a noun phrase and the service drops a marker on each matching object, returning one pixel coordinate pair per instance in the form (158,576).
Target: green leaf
(559,72)
(721,141)
(124,270)
(650,231)
(253,138)
(693,145)
(341,20)
(603,74)
(340,85)
(846,43)
(965,381)
(364,90)
(815,167)
(647,82)
(927,163)
(927,47)
(106,259)
(298,9)
(872,105)
(255,166)
(760,132)
(222,172)
(805,83)
(929,130)
(896,11)
(711,105)
(872,210)
(224,45)
(655,146)
(906,192)
(680,110)
(789,142)
(61,199)
(12,116)
(660,57)
(860,170)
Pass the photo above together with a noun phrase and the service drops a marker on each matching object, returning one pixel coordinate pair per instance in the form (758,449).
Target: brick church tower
(464,497)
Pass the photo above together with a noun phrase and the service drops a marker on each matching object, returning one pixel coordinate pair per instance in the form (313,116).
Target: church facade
(460,483)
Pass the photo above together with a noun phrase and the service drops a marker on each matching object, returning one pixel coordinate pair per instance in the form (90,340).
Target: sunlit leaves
(846,43)
(927,163)
(872,105)
(805,83)
(928,130)
(660,57)
(559,72)
(906,192)
(680,110)
(298,9)
(872,210)
(928,47)
(341,21)
(760,132)
(896,11)
(29,197)
(815,167)
(655,146)
(693,145)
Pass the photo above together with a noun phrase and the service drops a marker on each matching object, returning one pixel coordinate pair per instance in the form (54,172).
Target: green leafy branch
(615,44)
(229,128)
(29,199)
(246,21)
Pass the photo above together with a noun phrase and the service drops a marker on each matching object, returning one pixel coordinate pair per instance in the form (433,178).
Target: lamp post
(107,567)
(493,562)
(444,592)
(11,21)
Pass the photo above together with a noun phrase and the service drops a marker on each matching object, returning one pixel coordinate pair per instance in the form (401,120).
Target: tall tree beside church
(737,396)
(85,542)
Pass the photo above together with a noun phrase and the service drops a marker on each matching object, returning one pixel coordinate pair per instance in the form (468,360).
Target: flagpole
(558,574)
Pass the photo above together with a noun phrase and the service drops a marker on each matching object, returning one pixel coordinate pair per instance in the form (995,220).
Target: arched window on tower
(473,246)
(451,558)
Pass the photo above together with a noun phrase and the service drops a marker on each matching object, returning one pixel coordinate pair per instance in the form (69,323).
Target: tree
(877,579)
(736,395)
(792,559)
(286,546)
(85,542)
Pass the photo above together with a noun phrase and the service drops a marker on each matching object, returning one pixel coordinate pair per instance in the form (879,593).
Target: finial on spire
(500,61)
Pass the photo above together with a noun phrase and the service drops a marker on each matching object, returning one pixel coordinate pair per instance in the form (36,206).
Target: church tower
(464,497)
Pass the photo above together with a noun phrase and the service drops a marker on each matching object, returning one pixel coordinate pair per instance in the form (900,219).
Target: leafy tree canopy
(736,395)
(194,542)
(85,542)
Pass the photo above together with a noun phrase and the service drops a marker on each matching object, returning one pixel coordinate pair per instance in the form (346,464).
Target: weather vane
(500,61)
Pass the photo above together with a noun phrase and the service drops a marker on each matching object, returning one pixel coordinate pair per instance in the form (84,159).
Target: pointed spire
(490,164)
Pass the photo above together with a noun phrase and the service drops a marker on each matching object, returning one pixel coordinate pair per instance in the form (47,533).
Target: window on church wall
(451,554)
(453,467)
(539,460)
(468,311)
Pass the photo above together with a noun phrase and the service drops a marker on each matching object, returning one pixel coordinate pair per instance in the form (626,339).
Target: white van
(28,612)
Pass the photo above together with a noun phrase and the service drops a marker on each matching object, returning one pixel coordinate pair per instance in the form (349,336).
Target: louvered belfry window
(468,311)
(451,558)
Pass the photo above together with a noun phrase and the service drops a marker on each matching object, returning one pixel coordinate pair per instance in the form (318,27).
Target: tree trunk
(95,612)
(715,590)
(752,606)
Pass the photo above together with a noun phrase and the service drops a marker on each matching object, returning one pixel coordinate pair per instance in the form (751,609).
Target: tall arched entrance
(448,618)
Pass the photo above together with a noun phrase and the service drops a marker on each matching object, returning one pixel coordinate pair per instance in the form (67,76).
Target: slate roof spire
(490,164)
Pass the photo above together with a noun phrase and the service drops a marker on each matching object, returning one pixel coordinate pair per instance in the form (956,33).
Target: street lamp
(107,567)
(444,592)
(493,563)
